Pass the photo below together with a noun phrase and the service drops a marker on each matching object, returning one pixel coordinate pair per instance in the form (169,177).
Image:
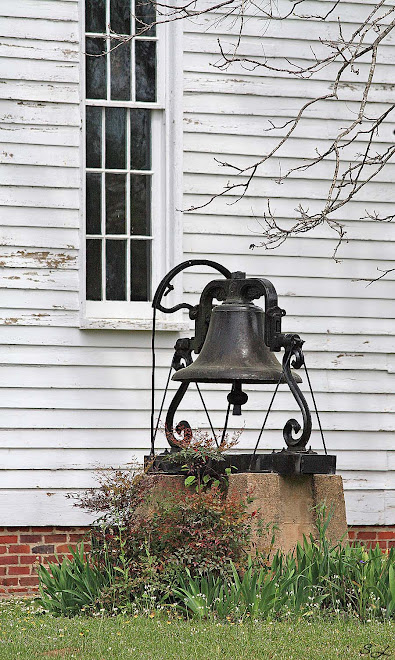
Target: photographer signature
(373,651)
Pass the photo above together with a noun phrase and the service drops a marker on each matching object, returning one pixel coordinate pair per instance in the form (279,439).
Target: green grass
(25,635)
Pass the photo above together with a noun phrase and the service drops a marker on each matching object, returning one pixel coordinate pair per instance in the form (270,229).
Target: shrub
(186,548)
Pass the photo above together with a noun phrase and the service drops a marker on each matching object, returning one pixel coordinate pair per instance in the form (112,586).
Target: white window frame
(166,118)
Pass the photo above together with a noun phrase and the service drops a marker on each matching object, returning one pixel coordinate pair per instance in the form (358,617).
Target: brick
(28,581)
(28,559)
(391,544)
(8,559)
(45,559)
(3,549)
(369,536)
(351,535)
(44,549)
(2,570)
(21,590)
(31,538)
(9,582)
(55,538)
(42,530)
(19,549)
(387,535)
(63,547)
(19,570)
(8,539)
(76,538)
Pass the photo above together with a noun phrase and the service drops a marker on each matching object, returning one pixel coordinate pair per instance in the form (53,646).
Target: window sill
(133,324)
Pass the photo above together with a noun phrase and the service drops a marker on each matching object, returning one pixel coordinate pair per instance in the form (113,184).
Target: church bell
(234,349)
(235,342)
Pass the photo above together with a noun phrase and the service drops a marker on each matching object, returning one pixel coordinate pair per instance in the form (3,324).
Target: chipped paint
(32,104)
(48,259)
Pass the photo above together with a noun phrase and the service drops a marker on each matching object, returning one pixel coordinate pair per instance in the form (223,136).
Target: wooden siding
(74,400)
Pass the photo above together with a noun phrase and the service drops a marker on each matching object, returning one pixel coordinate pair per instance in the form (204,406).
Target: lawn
(26,636)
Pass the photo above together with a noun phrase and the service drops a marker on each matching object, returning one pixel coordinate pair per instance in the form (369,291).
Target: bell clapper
(237,397)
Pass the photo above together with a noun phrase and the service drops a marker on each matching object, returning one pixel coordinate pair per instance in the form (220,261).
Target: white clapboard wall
(76,400)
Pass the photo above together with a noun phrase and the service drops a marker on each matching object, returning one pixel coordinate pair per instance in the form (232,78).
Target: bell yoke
(235,341)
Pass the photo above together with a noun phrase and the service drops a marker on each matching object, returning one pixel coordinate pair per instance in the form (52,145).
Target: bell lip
(244,378)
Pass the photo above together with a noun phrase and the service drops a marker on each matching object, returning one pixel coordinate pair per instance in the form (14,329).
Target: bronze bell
(235,349)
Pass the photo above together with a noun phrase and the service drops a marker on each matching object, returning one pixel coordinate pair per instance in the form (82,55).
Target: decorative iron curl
(183,426)
(294,358)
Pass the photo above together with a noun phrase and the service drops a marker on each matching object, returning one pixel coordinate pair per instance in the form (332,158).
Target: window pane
(93,136)
(115,138)
(120,16)
(95,16)
(145,15)
(93,203)
(140,191)
(95,69)
(120,71)
(140,139)
(115,203)
(140,265)
(115,270)
(145,71)
(93,269)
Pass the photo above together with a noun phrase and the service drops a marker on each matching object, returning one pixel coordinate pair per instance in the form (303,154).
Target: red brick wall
(370,535)
(22,549)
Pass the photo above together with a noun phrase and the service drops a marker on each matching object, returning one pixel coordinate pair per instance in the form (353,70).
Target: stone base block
(288,503)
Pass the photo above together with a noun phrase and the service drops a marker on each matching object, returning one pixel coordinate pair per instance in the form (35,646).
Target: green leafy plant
(186,548)
(71,585)
(200,457)
(318,577)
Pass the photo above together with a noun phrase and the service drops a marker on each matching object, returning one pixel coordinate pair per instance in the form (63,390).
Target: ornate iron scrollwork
(294,358)
(183,348)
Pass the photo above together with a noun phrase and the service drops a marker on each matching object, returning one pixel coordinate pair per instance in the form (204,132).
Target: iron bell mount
(235,342)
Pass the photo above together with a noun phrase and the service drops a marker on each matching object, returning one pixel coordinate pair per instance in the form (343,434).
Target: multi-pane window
(121,93)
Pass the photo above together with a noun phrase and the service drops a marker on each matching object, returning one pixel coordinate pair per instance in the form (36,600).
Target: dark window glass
(145,71)
(115,270)
(95,16)
(95,69)
(93,136)
(145,16)
(115,204)
(93,203)
(115,138)
(93,269)
(140,266)
(120,16)
(140,139)
(120,71)
(140,192)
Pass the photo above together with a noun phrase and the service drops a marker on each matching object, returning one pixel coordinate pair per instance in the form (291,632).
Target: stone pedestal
(288,503)
(284,501)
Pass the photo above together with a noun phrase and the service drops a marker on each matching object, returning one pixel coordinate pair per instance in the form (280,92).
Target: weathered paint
(75,399)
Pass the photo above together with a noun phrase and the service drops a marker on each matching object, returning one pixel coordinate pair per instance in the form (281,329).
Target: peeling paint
(32,104)
(45,257)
